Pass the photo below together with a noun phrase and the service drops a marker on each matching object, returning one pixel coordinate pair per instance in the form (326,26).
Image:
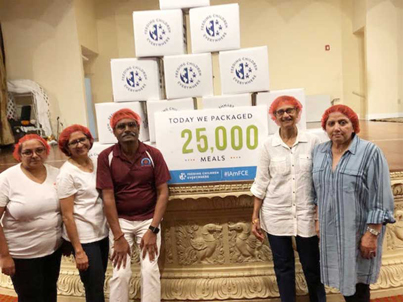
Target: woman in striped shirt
(354,202)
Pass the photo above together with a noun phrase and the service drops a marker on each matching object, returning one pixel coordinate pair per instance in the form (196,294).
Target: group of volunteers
(334,198)
(47,212)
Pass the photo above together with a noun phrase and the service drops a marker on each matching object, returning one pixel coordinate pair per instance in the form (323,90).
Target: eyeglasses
(29,152)
(122,126)
(77,141)
(288,111)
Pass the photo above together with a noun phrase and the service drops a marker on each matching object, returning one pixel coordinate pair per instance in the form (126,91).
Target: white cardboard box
(188,76)
(226,101)
(171,4)
(96,149)
(267,98)
(215,28)
(158,33)
(163,106)
(104,112)
(135,79)
(244,70)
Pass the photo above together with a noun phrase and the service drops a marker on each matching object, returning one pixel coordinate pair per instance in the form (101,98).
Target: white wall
(41,44)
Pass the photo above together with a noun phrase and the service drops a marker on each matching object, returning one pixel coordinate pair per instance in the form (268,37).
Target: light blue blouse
(357,193)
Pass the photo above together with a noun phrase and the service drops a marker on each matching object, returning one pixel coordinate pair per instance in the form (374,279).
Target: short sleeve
(263,177)
(161,171)
(65,185)
(104,174)
(4,190)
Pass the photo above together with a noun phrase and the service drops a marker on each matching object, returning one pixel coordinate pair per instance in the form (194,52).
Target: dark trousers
(361,293)
(284,266)
(35,280)
(94,277)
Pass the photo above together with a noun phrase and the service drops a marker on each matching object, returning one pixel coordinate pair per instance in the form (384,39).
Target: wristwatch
(155,230)
(373,231)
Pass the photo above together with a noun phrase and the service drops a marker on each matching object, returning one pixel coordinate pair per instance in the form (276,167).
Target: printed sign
(211,145)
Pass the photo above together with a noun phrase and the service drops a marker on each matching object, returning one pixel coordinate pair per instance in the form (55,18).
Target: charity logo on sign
(214,28)
(188,75)
(134,78)
(158,32)
(244,70)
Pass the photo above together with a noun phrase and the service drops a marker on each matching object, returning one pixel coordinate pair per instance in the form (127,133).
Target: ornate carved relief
(169,258)
(199,244)
(244,246)
(394,232)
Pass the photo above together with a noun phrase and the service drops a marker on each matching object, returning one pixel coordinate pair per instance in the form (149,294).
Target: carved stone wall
(209,253)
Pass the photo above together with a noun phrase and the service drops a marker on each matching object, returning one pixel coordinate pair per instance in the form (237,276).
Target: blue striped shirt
(357,193)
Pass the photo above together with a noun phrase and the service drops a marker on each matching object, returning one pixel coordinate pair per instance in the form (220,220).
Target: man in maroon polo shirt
(133,179)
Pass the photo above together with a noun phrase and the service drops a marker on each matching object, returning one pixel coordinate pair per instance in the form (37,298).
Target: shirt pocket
(351,180)
(279,166)
(317,177)
(305,162)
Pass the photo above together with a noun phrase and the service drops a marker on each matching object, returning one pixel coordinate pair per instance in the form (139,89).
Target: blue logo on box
(215,28)
(134,78)
(243,71)
(158,32)
(188,75)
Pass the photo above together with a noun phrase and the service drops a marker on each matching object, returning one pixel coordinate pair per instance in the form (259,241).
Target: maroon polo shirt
(134,183)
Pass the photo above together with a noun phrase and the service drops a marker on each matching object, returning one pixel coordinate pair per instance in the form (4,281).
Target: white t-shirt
(88,207)
(32,221)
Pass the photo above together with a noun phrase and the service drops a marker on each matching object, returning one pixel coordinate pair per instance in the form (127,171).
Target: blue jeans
(35,279)
(284,266)
(94,277)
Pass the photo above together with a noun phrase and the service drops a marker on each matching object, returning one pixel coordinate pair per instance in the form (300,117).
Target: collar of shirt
(327,148)
(277,140)
(117,152)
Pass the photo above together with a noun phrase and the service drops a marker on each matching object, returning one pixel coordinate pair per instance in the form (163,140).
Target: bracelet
(117,238)
(256,220)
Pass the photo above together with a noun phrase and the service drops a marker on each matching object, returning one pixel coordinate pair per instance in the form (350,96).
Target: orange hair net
(343,109)
(65,136)
(28,137)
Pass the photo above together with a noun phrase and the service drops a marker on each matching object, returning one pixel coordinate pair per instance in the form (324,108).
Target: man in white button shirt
(284,201)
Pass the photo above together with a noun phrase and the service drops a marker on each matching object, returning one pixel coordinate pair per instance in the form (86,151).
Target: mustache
(129,133)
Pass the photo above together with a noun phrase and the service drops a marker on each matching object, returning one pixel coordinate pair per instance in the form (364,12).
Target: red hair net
(347,111)
(285,99)
(65,137)
(28,137)
(122,114)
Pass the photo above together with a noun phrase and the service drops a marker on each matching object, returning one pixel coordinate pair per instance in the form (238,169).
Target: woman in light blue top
(354,202)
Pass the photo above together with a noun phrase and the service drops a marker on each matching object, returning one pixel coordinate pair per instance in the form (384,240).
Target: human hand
(256,230)
(82,263)
(368,245)
(148,245)
(317,228)
(121,249)
(7,265)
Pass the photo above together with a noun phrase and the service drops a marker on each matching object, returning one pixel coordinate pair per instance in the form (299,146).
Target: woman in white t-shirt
(82,209)
(30,234)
